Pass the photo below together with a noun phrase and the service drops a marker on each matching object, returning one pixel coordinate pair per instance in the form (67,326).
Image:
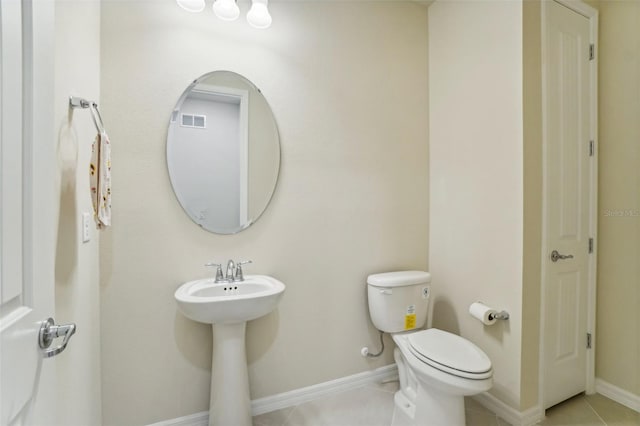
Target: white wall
(476,176)
(77,72)
(346,82)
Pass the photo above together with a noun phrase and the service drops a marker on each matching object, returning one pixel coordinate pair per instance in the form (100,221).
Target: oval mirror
(223,152)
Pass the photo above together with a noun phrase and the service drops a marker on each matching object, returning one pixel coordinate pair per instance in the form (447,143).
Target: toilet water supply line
(365,351)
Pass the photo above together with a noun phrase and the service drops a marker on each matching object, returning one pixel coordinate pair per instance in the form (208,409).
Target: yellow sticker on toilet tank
(410,317)
(409,321)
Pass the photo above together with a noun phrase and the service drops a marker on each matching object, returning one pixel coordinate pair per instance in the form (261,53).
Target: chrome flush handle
(49,331)
(555,256)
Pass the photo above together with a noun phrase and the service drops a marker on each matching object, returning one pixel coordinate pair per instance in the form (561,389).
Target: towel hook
(76,102)
(93,109)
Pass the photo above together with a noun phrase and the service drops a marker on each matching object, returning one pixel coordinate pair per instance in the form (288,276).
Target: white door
(26,204)
(567,195)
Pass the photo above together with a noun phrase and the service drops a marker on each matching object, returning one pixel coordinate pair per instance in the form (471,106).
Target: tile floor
(595,410)
(373,406)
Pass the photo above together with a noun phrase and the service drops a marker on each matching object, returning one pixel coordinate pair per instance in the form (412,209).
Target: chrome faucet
(238,276)
(234,271)
(219,276)
(231,270)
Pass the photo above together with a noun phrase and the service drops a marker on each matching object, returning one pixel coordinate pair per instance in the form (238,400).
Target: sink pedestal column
(230,403)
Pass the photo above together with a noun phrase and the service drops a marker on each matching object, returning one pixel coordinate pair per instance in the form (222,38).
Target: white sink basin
(213,303)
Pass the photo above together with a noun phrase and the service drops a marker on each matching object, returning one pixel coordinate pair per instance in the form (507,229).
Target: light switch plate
(86,230)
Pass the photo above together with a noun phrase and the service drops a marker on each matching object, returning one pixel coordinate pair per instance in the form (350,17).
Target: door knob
(555,256)
(49,331)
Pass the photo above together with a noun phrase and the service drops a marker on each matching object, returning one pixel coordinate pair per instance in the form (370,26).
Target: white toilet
(437,369)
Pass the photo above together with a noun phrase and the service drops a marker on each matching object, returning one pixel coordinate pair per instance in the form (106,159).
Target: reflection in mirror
(223,152)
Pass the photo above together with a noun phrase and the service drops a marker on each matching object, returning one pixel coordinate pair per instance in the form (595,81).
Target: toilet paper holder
(502,315)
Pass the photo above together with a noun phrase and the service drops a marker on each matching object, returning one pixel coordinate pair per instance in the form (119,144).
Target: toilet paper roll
(483,313)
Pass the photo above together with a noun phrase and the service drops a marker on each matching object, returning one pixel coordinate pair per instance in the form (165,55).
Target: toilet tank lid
(399,279)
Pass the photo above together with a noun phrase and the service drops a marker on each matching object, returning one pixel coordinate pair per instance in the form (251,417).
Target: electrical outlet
(86,227)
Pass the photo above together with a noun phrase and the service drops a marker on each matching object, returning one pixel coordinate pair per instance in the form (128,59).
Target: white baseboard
(197,419)
(517,418)
(302,395)
(619,395)
(297,396)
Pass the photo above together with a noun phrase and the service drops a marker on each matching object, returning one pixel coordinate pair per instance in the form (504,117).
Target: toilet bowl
(437,369)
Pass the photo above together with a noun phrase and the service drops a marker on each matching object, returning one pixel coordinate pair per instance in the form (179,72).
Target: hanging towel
(100,169)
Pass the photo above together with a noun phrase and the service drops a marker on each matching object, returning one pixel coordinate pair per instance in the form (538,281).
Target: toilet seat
(450,354)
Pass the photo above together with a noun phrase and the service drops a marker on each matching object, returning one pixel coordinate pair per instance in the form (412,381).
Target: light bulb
(258,16)
(227,10)
(194,6)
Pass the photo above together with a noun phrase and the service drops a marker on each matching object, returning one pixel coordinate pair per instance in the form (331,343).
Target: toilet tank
(399,301)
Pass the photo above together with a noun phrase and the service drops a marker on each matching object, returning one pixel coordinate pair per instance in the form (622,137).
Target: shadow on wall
(444,316)
(66,247)
(190,338)
(498,330)
(190,335)
(373,340)
(261,333)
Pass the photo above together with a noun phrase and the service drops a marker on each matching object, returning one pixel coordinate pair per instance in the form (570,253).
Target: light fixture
(194,6)
(258,16)
(227,10)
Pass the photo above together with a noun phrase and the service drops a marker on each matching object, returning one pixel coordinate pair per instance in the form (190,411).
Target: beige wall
(476,177)
(532,146)
(77,72)
(347,84)
(618,300)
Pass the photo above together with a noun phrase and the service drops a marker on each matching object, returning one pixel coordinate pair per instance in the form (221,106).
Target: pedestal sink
(228,307)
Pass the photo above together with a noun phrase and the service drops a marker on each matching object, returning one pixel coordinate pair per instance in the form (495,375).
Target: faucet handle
(239,276)
(219,276)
